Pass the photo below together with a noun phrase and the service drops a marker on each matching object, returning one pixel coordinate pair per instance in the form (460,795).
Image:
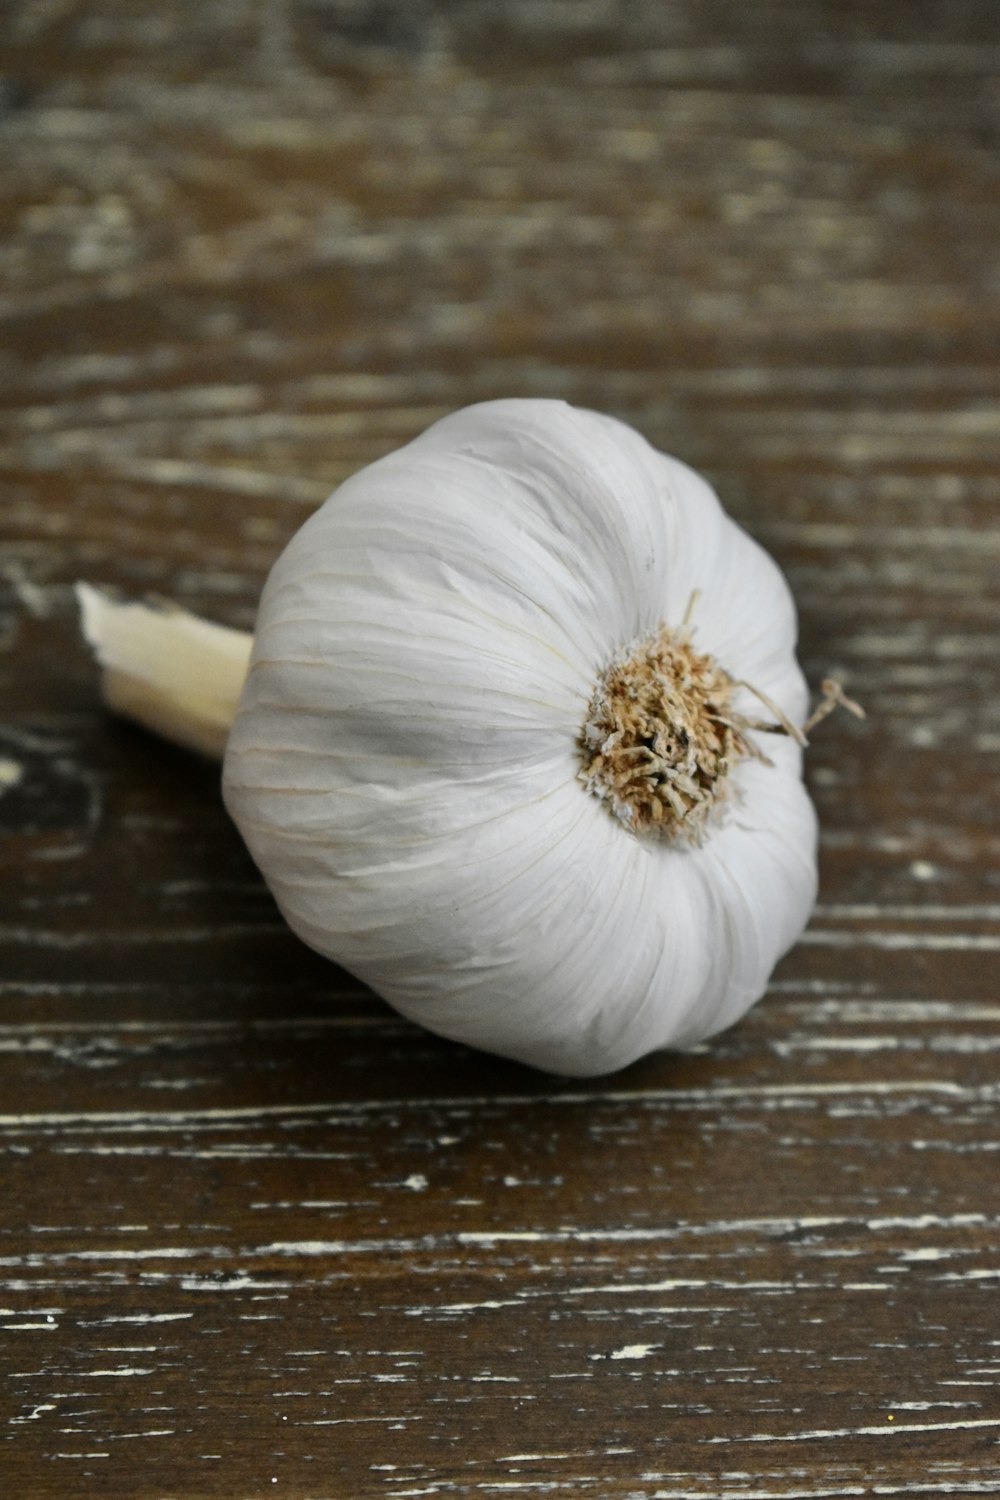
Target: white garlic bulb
(496,754)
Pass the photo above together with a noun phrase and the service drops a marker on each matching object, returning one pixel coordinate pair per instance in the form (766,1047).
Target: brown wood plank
(258,1236)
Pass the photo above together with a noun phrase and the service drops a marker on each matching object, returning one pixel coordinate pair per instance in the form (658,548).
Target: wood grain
(258,1236)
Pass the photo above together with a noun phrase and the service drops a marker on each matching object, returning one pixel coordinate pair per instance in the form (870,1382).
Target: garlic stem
(166,668)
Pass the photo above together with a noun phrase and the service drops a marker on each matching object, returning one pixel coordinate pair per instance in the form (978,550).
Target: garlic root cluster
(493,743)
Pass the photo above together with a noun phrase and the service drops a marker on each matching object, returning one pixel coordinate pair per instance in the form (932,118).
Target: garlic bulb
(498,752)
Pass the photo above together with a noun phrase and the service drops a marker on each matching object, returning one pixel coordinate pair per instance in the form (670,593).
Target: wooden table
(258,1236)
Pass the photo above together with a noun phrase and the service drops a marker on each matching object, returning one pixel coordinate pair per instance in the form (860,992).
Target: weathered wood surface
(258,1236)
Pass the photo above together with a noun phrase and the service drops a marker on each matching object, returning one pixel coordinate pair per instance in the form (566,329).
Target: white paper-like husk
(403,765)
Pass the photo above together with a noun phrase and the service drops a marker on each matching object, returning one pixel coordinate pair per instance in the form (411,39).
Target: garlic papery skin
(405,762)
